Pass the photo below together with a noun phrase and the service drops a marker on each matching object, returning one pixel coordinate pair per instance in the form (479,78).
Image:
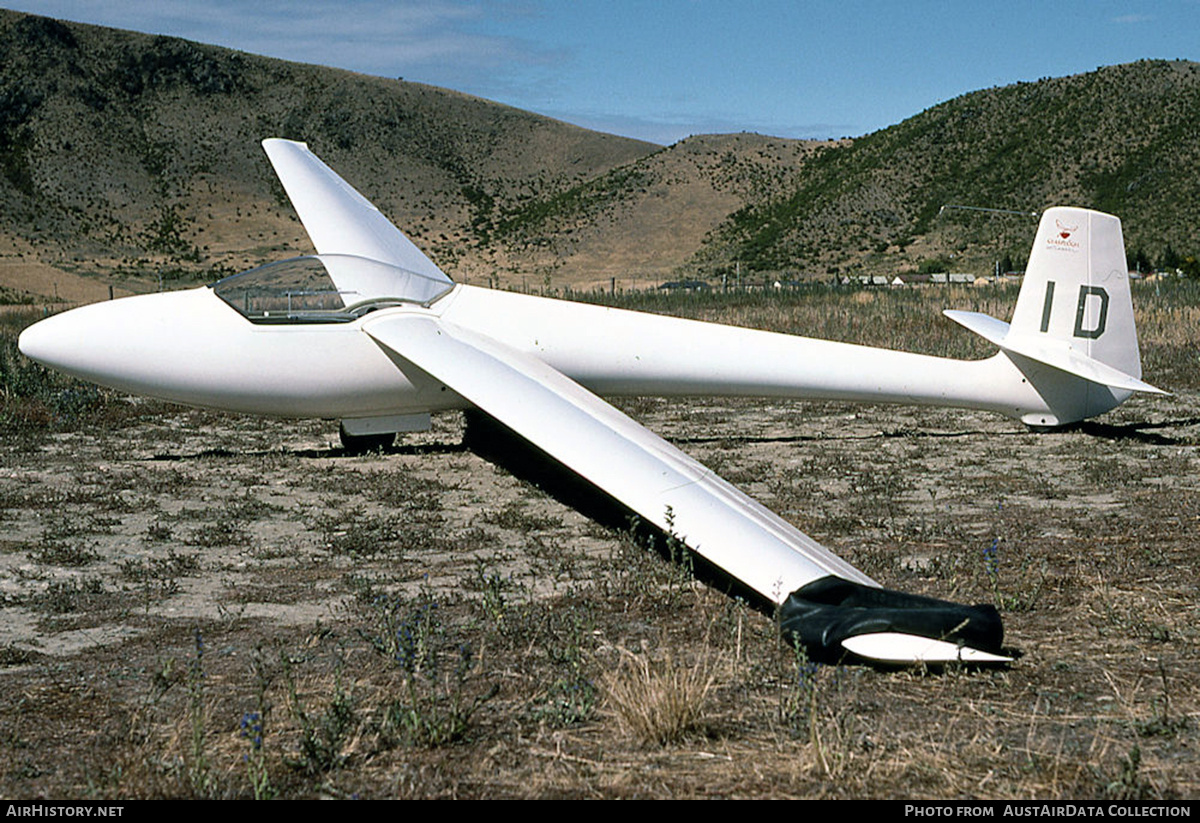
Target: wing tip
(902,649)
(283,141)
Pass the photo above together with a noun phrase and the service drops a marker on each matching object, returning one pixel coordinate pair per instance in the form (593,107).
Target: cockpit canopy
(325,288)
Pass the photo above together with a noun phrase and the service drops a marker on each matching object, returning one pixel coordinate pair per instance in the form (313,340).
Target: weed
(1106,473)
(248,507)
(571,697)
(158,575)
(436,704)
(494,589)
(1129,616)
(68,596)
(60,553)
(358,534)
(650,565)
(323,737)
(516,517)
(405,491)
(364,587)
(436,708)
(60,527)
(159,568)
(1028,595)
(168,482)
(253,729)
(15,656)
(221,532)
(568,700)
(173,565)
(199,773)
(1128,783)
(1162,723)
(798,693)
(678,553)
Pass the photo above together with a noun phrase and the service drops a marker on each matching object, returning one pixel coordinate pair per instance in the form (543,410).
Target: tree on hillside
(1169,259)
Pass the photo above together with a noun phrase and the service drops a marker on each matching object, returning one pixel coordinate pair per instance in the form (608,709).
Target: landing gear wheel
(364,443)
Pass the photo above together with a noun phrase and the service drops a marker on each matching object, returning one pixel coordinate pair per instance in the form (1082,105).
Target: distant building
(685,285)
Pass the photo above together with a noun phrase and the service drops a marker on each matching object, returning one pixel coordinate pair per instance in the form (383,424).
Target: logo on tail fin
(1061,240)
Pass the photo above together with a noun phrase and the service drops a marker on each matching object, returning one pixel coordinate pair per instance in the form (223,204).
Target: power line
(996,211)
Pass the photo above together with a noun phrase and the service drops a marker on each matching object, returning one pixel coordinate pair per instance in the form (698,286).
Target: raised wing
(337,218)
(676,493)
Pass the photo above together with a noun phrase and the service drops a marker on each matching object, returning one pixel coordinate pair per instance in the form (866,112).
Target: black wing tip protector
(821,615)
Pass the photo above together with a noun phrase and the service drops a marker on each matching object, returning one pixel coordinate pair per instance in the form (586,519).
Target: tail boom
(1070,352)
(631,353)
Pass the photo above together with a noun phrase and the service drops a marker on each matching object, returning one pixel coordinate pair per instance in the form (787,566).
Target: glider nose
(133,344)
(50,342)
(81,342)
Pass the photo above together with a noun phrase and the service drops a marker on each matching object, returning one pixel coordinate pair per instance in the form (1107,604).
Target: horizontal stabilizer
(1052,351)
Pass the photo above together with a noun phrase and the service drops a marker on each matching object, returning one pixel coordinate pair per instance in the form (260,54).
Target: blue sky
(665,69)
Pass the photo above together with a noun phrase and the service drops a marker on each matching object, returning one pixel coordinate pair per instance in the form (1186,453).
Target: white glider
(372,332)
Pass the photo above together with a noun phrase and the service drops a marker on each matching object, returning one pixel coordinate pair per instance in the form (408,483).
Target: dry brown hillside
(639,223)
(123,154)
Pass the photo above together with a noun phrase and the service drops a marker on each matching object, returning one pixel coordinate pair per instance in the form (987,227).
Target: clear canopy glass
(325,288)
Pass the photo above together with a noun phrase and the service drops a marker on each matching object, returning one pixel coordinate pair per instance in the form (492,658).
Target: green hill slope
(1123,139)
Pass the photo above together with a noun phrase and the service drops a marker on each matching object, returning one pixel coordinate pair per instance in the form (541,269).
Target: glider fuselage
(191,347)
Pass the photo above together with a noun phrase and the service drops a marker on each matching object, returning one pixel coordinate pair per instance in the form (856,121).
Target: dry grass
(658,702)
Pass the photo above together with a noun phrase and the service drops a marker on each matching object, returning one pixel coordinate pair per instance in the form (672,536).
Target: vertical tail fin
(1074,315)
(1076,288)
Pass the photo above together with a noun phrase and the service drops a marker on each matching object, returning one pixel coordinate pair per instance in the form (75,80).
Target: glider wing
(337,218)
(615,453)
(825,603)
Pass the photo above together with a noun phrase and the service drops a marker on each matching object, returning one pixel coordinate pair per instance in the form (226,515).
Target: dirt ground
(203,605)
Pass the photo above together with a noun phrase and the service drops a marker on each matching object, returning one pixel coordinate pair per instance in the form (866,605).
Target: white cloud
(1132,18)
